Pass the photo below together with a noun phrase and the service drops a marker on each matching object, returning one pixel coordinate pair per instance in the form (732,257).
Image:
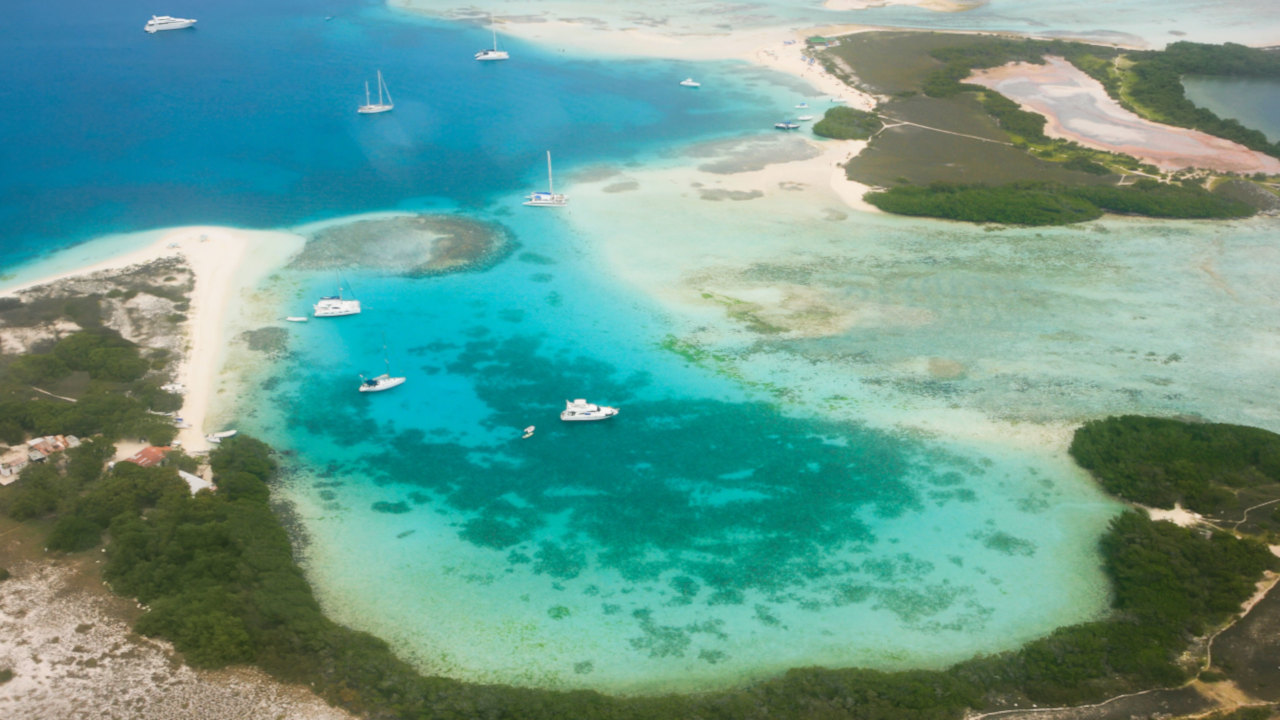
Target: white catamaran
(369,107)
(550,198)
(495,53)
(336,305)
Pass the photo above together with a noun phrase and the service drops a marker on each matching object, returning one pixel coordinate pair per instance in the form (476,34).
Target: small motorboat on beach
(580,409)
(218,437)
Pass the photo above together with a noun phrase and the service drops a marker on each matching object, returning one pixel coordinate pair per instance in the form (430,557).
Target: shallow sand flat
(1079,109)
(947,327)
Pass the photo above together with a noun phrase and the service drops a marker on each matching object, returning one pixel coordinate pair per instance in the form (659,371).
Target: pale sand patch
(1078,108)
(73,656)
(934,5)
(216,256)
(1178,515)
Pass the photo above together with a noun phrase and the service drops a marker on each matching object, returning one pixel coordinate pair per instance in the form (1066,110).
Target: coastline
(216,257)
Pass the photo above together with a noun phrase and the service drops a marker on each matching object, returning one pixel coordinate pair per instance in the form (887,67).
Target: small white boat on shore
(580,409)
(297,318)
(218,437)
(165,22)
(690,82)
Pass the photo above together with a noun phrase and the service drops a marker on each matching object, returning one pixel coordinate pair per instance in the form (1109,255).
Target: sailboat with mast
(495,53)
(383,381)
(550,198)
(370,107)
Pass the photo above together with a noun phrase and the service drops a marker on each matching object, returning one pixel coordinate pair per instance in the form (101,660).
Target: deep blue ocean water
(249,119)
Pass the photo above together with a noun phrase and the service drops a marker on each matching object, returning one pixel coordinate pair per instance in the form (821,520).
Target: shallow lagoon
(713,532)
(882,484)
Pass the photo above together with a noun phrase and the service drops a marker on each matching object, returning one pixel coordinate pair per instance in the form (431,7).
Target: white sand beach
(216,256)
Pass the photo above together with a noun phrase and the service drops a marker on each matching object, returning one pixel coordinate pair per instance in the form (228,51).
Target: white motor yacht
(164,22)
(582,410)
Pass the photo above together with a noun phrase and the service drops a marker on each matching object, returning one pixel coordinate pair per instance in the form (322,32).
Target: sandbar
(216,256)
(1079,109)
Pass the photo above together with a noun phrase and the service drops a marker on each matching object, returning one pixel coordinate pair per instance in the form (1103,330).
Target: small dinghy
(528,433)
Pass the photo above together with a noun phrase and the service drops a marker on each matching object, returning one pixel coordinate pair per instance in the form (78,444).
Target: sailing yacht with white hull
(368,108)
(383,381)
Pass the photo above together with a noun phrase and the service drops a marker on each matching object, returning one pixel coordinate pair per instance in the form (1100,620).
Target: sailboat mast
(495,38)
(366,92)
(380,87)
(551,188)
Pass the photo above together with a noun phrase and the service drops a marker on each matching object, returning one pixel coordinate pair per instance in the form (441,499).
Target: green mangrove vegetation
(1159,462)
(91,382)
(1041,203)
(845,123)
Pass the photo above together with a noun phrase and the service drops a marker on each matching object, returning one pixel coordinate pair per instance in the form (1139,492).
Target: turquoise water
(1254,103)
(708,535)
(890,492)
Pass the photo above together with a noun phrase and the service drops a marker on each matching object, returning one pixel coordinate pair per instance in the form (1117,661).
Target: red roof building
(148,456)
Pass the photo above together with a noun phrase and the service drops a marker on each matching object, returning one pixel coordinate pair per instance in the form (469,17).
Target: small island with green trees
(216,575)
(960,151)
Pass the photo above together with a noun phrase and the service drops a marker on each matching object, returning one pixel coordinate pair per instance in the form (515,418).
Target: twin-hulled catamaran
(550,198)
(495,53)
